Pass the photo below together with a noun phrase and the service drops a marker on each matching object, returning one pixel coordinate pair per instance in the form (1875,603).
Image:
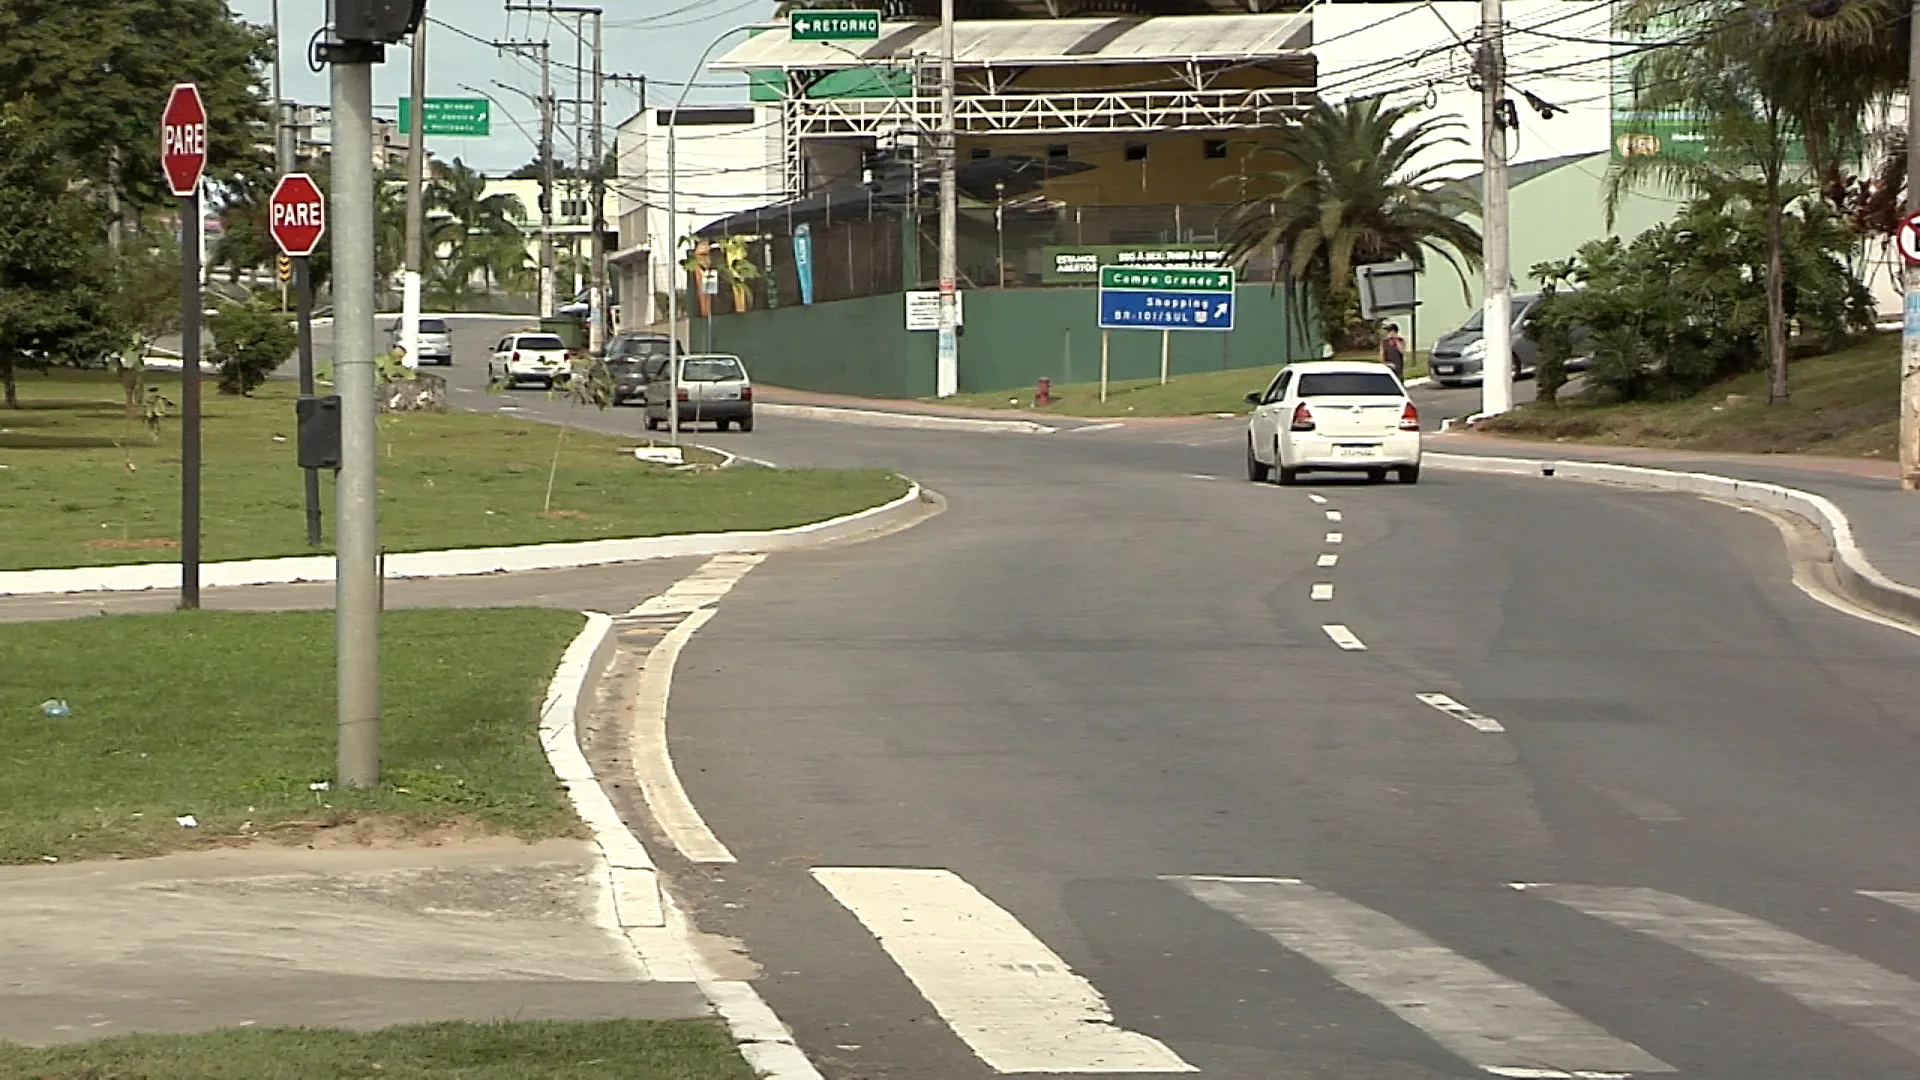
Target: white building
(313,137)
(727,159)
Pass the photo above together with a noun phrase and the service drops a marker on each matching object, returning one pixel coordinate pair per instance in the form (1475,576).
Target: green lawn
(523,1050)
(72,496)
(1200,394)
(229,717)
(1844,404)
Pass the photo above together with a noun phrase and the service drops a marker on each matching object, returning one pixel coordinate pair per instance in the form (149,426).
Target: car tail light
(1409,418)
(516,356)
(1302,417)
(680,394)
(746,393)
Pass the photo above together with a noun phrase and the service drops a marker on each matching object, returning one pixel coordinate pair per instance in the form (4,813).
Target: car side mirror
(1253,398)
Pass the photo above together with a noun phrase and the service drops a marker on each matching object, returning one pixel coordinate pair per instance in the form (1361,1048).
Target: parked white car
(529,358)
(1333,416)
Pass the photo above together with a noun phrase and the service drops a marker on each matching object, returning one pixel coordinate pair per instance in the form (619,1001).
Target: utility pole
(416,206)
(356,577)
(947,370)
(1910,336)
(282,130)
(1496,367)
(597,298)
(545,104)
(546,181)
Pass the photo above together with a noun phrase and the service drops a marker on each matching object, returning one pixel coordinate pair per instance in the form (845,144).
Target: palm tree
(1784,94)
(1341,189)
(461,192)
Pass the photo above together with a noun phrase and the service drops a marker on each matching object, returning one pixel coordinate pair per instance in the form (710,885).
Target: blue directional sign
(1166,298)
(1152,309)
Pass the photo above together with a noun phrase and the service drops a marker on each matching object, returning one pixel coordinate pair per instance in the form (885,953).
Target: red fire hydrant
(1043,393)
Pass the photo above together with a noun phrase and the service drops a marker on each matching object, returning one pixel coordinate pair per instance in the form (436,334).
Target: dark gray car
(634,360)
(1457,356)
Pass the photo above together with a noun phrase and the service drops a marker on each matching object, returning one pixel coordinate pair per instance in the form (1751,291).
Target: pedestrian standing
(1393,351)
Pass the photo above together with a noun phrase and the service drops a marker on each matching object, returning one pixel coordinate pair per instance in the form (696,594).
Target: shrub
(1684,305)
(250,342)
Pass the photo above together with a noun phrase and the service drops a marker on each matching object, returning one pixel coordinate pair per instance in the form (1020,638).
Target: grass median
(228,717)
(522,1050)
(1845,404)
(1202,393)
(80,486)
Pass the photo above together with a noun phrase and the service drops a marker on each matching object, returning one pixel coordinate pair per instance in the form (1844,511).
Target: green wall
(1012,337)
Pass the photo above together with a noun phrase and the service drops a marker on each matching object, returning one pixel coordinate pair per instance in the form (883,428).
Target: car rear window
(434,326)
(1348,384)
(540,341)
(711,369)
(632,347)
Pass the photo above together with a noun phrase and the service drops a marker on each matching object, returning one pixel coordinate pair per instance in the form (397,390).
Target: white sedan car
(1333,416)
(529,358)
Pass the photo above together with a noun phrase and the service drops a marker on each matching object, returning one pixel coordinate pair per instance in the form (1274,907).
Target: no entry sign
(1907,238)
(297,214)
(183,139)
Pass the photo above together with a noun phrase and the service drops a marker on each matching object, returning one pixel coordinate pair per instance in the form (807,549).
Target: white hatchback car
(529,358)
(1333,416)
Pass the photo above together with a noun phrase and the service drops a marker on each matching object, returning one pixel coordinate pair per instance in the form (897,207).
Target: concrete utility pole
(545,104)
(1496,386)
(357,545)
(597,244)
(546,181)
(947,371)
(416,206)
(1910,337)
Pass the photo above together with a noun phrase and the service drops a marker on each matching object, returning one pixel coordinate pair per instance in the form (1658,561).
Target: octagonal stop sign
(297,214)
(183,139)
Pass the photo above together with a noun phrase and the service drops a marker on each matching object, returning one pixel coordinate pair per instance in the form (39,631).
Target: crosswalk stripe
(1908,900)
(701,588)
(1820,977)
(1003,992)
(1493,1023)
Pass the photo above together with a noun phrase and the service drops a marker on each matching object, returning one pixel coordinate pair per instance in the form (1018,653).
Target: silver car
(436,341)
(713,388)
(1457,357)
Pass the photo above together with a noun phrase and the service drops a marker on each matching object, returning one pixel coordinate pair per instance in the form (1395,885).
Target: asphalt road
(1076,778)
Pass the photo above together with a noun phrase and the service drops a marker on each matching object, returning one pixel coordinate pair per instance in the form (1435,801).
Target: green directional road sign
(1166,280)
(450,116)
(835,25)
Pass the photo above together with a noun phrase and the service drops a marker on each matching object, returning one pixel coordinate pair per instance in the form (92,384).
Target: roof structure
(987,43)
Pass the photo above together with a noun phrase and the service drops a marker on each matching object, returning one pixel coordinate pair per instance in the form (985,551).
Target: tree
(1341,189)
(461,192)
(1782,97)
(99,71)
(55,280)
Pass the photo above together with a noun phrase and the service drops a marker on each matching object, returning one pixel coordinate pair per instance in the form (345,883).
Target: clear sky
(660,39)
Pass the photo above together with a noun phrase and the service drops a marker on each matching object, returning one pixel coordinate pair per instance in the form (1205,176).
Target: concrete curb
(633,878)
(640,906)
(1857,576)
(141,577)
(878,418)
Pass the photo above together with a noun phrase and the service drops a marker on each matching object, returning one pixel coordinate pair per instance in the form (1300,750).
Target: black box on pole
(319,431)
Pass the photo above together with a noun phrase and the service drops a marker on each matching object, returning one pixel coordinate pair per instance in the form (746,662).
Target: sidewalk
(297,937)
(1886,520)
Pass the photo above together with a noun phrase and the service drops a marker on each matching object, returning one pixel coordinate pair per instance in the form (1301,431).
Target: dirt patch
(574,514)
(150,544)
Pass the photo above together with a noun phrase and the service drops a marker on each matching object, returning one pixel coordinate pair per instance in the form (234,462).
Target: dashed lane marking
(1322,591)
(1344,637)
(1461,713)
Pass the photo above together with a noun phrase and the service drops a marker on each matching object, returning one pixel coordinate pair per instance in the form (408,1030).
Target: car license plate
(1357,451)
(1446,369)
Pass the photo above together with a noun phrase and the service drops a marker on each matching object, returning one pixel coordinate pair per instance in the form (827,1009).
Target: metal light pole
(947,370)
(673,232)
(357,583)
(416,206)
(1496,366)
(1910,336)
(597,244)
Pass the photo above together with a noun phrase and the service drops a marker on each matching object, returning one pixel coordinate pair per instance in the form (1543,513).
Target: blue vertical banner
(803,261)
